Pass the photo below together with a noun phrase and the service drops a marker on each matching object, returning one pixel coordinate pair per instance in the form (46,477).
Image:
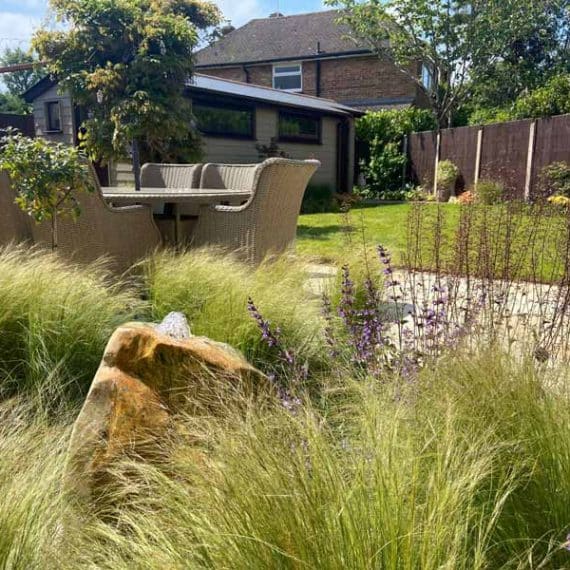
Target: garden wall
(513,152)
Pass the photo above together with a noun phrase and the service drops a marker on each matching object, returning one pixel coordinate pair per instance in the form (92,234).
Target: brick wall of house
(343,79)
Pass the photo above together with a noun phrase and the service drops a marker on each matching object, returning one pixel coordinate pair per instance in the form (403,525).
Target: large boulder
(147,375)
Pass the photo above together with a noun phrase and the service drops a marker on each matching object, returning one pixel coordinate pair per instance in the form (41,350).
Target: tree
(540,52)
(449,37)
(12,104)
(18,82)
(127,62)
(45,176)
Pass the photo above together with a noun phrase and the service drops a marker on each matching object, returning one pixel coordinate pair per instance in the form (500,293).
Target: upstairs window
(288,77)
(298,127)
(224,120)
(53,117)
(427,77)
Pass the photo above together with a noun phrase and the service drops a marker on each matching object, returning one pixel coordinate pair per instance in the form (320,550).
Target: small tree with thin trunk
(46,177)
(127,62)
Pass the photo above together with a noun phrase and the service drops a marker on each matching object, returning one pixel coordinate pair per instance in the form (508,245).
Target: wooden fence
(513,152)
(24,123)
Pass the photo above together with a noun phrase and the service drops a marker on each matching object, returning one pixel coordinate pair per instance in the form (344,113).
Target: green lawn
(335,237)
(513,241)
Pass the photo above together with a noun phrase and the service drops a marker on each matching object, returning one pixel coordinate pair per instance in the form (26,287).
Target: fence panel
(24,123)
(552,144)
(421,148)
(504,155)
(460,146)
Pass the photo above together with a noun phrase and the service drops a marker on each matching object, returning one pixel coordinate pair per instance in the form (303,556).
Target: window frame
(426,73)
(288,74)
(47,105)
(227,105)
(300,139)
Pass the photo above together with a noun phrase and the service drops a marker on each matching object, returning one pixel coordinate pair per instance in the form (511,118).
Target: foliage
(551,99)
(270,150)
(128,62)
(555,178)
(18,82)
(489,192)
(56,320)
(467,197)
(318,198)
(212,290)
(559,200)
(453,38)
(420,194)
(384,131)
(540,52)
(12,104)
(446,177)
(46,177)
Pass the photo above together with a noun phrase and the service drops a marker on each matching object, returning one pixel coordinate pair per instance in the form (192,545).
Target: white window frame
(288,74)
(47,118)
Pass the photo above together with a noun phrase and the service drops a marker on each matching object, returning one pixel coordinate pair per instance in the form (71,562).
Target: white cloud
(16,29)
(241,11)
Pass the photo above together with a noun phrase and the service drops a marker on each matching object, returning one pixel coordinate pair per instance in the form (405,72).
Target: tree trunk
(54,240)
(136,165)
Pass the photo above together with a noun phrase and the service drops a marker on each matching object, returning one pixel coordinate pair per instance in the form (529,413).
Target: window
(298,127)
(288,77)
(427,76)
(53,117)
(229,120)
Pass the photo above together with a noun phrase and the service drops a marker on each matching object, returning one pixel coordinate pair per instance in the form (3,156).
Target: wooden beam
(19,67)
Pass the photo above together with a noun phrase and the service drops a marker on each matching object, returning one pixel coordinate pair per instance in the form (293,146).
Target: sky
(19,18)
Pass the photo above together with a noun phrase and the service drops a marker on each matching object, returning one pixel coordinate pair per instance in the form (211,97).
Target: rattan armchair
(125,235)
(15,225)
(232,176)
(267,222)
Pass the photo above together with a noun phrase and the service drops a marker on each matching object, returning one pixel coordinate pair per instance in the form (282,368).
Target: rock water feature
(147,374)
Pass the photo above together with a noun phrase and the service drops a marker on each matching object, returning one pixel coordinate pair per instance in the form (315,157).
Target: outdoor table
(175,196)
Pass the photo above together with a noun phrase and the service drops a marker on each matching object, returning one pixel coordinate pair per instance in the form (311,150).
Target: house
(235,119)
(311,54)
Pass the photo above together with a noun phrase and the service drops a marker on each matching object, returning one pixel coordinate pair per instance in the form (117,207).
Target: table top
(173,195)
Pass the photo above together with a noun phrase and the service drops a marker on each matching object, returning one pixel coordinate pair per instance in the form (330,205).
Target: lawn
(511,241)
(334,237)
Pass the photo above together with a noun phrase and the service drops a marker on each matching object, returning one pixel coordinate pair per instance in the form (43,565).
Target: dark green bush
(383,132)
(318,198)
(489,192)
(555,179)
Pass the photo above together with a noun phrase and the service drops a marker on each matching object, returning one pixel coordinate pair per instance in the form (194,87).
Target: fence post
(437,147)
(478,157)
(529,160)
(405,144)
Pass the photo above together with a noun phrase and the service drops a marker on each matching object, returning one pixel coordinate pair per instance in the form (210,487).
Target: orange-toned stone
(144,378)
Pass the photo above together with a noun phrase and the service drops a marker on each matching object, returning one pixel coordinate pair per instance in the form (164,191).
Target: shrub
(466,197)
(318,198)
(551,99)
(45,176)
(558,200)
(489,192)
(555,179)
(447,174)
(383,132)
(420,194)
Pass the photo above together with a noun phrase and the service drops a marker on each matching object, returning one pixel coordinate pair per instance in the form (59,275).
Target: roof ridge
(293,15)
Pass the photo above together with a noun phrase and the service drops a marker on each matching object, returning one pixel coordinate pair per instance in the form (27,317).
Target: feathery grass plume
(55,318)
(212,289)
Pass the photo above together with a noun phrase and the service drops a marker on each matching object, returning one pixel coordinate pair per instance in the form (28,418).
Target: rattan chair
(231,176)
(15,225)
(124,235)
(267,222)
